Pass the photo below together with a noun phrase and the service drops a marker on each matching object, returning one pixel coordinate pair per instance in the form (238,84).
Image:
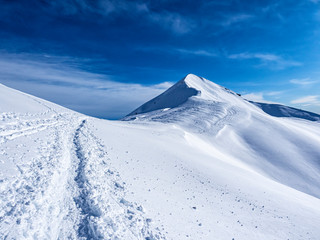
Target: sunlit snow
(197,162)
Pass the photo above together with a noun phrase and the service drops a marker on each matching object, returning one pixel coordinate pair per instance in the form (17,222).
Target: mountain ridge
(192,86)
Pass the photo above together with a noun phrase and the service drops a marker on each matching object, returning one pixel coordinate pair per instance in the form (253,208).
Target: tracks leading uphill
(58,182)
(105,213)
(35,194)
(89,212)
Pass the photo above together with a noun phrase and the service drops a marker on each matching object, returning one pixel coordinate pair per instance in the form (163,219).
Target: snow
(196,162)
(243,132)
(56,180)
(278,110)
(189,87)
(173,97)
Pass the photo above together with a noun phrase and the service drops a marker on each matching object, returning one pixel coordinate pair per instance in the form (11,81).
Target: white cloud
(83,91)
(236,19)
(303,81)
(274,93)
(198,52)
(266,59)
(256,97)
(172,21)
(181,51)
(101,7)
(307,100)
(261,56)
(260,96)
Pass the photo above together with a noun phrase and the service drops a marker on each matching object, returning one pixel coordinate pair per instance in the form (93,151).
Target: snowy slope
(284,149)
(197,162)
(56,181)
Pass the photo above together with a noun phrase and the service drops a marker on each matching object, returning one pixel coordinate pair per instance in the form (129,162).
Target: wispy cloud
(260,56)
(197,52)
(303,81)
(172,21)
(307,100)
(181,51)
(266,59)
(256,97)
(68,85)
(274,93)
(261,96)
(236,19)
(101,7)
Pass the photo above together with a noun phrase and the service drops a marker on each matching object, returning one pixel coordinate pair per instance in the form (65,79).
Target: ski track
(87,227)
(67,190)
(33,202)
(108,215)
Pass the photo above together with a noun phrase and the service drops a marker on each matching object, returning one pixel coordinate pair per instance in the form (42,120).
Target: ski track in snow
(110,215)
(64,187)
(34,202)
(85,228)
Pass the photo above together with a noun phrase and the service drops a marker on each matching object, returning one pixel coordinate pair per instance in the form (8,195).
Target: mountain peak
(193,81)
(191,86)
(176,95)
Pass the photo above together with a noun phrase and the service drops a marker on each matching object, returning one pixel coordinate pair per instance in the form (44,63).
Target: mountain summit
(189,87)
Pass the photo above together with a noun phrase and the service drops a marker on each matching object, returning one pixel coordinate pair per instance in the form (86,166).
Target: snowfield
(196,162)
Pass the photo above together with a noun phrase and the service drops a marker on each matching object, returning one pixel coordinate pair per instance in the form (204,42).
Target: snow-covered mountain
(196,162)
(242,131)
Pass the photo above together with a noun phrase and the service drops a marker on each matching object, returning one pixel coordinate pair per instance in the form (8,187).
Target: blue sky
(105,58)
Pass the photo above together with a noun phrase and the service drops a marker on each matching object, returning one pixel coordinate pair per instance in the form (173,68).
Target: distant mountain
(278,110)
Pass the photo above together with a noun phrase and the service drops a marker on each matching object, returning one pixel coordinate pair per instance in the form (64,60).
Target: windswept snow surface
(197,162)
